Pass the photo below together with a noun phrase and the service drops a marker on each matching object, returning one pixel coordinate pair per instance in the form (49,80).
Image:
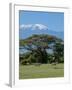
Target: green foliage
(59,52)
(37,45)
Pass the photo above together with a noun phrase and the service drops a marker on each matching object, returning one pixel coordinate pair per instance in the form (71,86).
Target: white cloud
(33,27)
(25,26)
(39,27)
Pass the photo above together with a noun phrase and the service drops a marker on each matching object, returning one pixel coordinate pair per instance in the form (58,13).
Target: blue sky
(29,20)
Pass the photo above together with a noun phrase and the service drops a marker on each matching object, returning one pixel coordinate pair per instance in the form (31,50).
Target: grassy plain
(42,71)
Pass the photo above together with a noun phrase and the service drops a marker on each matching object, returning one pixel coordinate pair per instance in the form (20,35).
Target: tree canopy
(38,44)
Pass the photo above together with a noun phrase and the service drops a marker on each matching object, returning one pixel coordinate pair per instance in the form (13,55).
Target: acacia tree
(38,44)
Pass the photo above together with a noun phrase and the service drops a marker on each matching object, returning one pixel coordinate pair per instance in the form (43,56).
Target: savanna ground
(41,71)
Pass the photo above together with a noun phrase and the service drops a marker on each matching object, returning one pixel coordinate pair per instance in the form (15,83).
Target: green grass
(42,71)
